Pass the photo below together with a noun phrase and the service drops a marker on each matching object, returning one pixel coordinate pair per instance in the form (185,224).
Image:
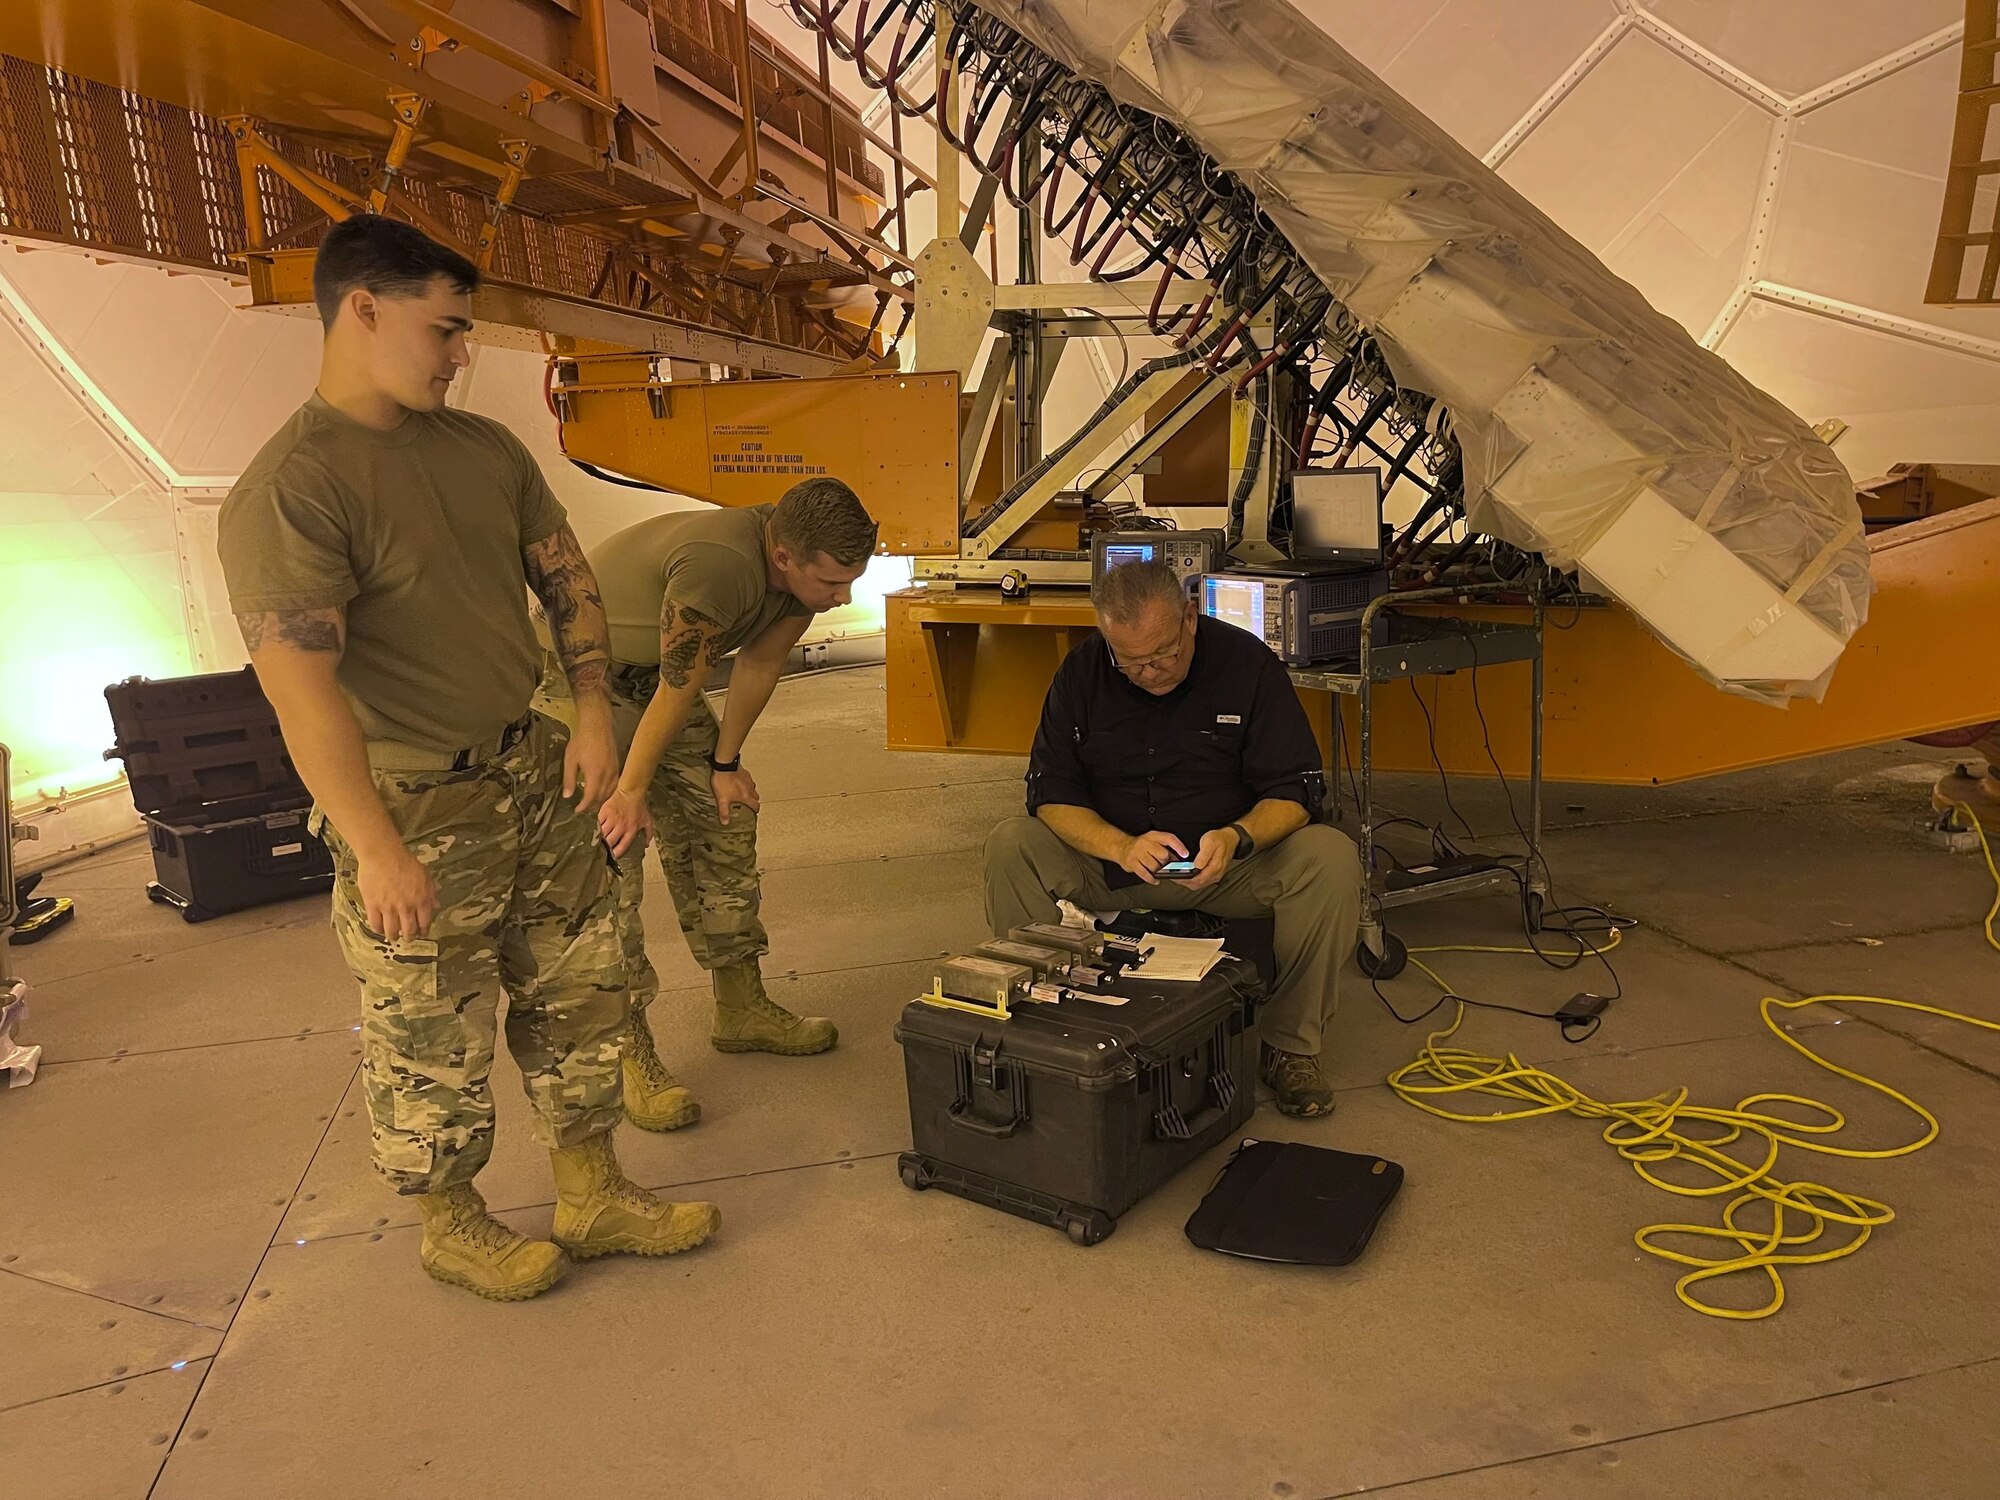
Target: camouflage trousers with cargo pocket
(524,926)
(711,866)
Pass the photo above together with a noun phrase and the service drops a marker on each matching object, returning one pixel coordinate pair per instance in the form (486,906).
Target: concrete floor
(205,1293)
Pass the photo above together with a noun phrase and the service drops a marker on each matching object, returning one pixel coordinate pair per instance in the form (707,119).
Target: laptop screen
(1337,513)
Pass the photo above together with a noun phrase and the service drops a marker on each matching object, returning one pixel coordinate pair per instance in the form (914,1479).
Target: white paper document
(1176,957)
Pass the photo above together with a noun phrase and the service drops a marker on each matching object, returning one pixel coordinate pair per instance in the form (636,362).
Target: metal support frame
(956,306)
(255,149)
(1062,473)
(947,154)
(409,112)
(1157,436)
(984,416)
(746,96)
(631,277)
(517,154)
(1433,647)
(1254,545)
(1030,387)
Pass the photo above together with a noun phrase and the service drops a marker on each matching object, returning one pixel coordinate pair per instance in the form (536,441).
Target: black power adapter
(1581,1006)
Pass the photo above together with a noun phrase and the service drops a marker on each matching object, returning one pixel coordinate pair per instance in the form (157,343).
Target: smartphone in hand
(1178,869)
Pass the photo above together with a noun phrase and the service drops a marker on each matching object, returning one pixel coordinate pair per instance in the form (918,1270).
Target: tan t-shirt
(711,561)
(418,533)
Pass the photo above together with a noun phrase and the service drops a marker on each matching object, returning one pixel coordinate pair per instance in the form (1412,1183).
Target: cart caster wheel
(1388,963)
(915,1178)
(1092,1229)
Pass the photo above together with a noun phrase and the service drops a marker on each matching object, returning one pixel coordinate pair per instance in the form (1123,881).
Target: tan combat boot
(466,1246)
(601,1211)
(748,1020)
(654,1098)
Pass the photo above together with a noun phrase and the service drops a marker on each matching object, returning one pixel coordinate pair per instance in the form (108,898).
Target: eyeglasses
(1158,661)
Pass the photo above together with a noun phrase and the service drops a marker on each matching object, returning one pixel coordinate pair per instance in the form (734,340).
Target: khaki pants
(1310,884)
(524,927)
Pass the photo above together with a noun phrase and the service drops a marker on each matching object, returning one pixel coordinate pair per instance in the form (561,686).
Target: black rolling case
(1070,1113)
(224,809)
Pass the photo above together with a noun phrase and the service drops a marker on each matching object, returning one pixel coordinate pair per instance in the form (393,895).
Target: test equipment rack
(1414,645)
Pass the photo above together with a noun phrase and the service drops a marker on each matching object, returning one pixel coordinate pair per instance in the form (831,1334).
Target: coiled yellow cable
(1651,1133)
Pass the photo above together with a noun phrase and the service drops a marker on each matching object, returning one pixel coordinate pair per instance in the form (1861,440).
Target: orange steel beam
(560,85)
(254,232)
(505,312)
(597,45)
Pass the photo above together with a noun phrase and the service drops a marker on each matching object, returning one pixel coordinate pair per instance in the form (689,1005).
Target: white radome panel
(1857,215)
(1795,46)
(1862,93)
(1474,67)
(1906,400)
(1670,207)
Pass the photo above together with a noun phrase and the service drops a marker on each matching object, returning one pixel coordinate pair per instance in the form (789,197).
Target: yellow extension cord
(1650,1133)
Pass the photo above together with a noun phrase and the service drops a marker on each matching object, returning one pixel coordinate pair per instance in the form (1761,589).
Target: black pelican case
(224,809)
(1070,1113)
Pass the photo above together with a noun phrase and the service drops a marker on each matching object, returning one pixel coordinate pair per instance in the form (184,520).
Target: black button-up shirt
(1185,762)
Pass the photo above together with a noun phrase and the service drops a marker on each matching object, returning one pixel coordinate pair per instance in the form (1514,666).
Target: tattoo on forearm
(560,576)
(301,629)
(687,636)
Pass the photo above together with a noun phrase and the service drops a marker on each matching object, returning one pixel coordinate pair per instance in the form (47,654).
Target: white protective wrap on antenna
(1595,431)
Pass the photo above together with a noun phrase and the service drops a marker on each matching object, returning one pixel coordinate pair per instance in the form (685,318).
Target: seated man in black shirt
(1176,736)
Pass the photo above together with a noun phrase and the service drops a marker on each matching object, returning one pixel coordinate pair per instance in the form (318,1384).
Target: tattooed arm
(690,645)
(560,577)
(296,653)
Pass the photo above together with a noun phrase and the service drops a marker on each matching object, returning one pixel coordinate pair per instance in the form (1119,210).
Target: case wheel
(911,1170)
(1384,965)
(1088,1229)
(159,895)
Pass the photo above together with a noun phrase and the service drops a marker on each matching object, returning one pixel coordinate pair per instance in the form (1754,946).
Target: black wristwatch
(1246,845)
(726,765)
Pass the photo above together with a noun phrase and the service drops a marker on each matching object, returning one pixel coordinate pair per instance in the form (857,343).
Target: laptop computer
(1336,522)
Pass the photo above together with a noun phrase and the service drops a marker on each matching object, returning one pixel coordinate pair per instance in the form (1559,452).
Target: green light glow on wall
(83,604)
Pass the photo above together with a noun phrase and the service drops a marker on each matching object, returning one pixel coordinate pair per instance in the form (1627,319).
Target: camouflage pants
(711,867)
(525,912)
